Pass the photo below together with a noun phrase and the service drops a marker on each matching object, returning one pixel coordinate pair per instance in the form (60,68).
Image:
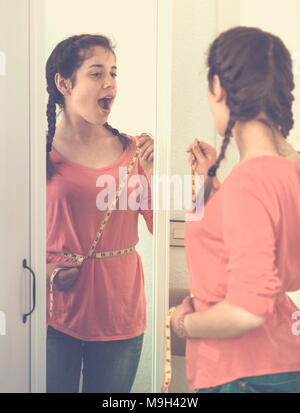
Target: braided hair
(65,59)
(255,70)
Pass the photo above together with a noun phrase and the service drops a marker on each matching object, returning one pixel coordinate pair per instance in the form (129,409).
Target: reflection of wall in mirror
(296,63)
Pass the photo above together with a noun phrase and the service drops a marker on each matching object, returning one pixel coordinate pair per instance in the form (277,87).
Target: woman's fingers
(151,157)
(206,147)
(187,302)
(196,154)
(53,265)
(191,145)
(205,154)
(65,279)
(145,142)
(200,155)
(143,138)
(208,150)
(146,150)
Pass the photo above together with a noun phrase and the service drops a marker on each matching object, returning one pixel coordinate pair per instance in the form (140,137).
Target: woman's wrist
(181,330)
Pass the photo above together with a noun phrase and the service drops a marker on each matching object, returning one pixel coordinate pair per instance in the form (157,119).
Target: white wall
(281,18)
(131,25)
(194,28)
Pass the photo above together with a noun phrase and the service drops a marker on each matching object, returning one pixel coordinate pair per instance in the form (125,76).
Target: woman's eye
(100,74)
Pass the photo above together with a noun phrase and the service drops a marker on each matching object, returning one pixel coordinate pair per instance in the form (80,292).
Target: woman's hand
(185,307)
(205,154)
(66,278)
(146,154)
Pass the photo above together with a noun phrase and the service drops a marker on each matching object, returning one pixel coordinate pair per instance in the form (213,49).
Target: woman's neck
(254,138)
(80,131)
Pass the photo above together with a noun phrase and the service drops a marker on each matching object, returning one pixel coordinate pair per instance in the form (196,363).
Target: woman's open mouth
(105,104)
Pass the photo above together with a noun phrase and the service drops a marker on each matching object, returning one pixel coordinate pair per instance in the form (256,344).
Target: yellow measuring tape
(168,355)
(193,167)
(80,258)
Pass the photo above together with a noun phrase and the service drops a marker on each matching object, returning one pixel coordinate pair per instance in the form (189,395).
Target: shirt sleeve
(249,234)
(146,201)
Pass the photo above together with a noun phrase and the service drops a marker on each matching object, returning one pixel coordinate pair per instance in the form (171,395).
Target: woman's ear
(218,90)
(62,84)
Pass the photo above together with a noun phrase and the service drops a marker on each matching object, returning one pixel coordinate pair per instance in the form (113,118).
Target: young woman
(243,256)
(96,302)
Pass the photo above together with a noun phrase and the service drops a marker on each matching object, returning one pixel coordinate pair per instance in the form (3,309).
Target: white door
(15,281)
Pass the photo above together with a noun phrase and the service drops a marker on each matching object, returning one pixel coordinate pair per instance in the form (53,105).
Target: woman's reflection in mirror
(96,310)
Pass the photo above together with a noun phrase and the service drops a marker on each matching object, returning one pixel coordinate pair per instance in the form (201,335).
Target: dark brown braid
(65,59)
(213,169)
(124,140)
(255,69)
(51,117)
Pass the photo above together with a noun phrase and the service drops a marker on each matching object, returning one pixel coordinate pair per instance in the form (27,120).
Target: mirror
(133,112)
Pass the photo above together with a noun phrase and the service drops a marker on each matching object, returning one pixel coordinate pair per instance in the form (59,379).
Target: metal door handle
(33,291)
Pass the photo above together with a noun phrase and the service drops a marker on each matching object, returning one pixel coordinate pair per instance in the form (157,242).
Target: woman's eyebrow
(113,67)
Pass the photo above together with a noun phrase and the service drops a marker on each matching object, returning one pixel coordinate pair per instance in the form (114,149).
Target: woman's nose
(108,81)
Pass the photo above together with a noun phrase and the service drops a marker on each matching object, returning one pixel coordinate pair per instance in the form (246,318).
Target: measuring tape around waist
(79,258)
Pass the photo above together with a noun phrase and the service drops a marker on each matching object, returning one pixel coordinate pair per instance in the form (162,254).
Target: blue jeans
(270,383)
(108,366)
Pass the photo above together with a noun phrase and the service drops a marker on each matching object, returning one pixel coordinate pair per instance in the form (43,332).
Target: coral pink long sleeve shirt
(107,301)
(246,250)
